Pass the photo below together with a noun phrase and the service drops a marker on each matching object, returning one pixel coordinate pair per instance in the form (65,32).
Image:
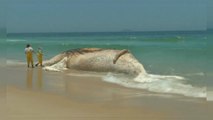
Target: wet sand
(34,94)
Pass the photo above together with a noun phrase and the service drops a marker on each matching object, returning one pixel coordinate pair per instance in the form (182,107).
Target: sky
(25,16)
(2,15)
(210,14)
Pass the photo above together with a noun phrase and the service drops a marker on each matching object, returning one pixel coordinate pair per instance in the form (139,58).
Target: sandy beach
(106,60)
(34,94)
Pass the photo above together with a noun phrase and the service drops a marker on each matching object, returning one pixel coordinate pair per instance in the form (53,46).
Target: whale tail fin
(117,56)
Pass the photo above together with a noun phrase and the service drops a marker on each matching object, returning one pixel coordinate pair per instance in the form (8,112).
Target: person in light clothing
(29,55)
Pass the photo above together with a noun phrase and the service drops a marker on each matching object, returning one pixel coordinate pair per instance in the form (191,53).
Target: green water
(186,54)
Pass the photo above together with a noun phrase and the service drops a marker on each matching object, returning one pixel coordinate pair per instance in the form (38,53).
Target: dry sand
(34,94)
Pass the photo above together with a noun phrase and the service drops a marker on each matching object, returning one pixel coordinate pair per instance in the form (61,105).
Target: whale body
(99,60)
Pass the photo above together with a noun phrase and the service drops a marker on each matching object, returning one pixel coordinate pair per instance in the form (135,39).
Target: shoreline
(37,94)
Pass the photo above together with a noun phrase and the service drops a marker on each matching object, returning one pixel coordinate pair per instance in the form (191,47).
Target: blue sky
(2,15)
(210,14)
(107,15)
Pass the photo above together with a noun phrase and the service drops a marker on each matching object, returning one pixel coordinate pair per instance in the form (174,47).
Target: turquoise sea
(185,54)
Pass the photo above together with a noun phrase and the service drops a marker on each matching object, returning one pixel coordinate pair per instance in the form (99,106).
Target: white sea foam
(195,74)
(15,63)
(210,96)
(58,67)
(15,40)
(159,84)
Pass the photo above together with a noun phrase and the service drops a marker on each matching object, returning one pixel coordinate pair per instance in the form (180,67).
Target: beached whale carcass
(99,60)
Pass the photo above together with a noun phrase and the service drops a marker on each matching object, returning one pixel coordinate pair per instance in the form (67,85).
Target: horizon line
(124,31)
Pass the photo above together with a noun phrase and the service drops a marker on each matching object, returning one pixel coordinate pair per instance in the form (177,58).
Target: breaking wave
(16,40)
(158,83)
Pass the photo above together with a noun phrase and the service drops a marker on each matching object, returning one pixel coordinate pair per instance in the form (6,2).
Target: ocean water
(176,62)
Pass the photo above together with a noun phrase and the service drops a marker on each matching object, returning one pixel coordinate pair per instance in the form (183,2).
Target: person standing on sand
(39,56)
(29,55)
